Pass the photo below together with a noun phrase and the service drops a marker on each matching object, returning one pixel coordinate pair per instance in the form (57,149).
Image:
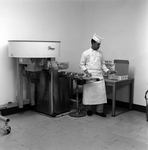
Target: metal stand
(78,112)
(146,98)
(6,128)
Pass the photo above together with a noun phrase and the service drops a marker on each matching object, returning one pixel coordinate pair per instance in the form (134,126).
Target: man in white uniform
(93,65)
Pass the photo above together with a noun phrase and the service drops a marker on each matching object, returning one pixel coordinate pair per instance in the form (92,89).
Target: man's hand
(87,73)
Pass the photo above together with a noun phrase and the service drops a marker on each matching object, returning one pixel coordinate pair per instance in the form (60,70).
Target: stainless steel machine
(53,93)
(36,62)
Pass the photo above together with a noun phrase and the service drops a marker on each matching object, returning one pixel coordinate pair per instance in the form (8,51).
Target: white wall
(36,20)
(122,23)
(124,26)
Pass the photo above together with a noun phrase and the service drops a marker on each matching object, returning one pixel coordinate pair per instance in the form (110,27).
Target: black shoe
(89,113)
(101,114)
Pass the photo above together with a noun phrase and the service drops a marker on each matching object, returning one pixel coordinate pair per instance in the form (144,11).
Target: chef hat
(97,38)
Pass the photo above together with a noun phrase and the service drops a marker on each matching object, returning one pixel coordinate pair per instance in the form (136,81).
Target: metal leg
(32,94)
(114,100)
(147,110)
(78,112)
(19,85)
(52,95)
(6,128)
(131,94)
(146,98)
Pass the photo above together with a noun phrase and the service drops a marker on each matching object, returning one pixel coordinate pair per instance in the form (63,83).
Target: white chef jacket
(94,92)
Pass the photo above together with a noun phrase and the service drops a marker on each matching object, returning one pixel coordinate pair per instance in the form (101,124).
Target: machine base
(77,114)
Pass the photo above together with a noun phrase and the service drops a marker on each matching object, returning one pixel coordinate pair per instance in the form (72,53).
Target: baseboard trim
(126,105)
(121,104)
(139,108)
(13,110)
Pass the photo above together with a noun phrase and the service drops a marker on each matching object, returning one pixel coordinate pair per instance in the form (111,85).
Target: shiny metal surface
(53,93)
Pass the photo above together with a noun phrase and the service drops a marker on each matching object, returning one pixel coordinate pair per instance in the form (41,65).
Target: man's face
(96,45)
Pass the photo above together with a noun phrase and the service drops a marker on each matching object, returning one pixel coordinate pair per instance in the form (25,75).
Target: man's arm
(82,64)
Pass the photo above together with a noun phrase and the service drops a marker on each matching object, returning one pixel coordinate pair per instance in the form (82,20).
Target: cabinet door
(53,93)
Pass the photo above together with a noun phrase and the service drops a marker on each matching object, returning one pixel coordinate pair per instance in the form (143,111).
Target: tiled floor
(34,131)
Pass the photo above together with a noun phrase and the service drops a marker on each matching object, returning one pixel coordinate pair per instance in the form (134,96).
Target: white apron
(94,92)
